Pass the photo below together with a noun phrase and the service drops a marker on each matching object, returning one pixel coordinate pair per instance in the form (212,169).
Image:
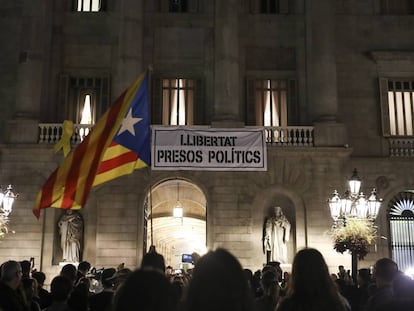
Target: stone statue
(71,232)
(276,232)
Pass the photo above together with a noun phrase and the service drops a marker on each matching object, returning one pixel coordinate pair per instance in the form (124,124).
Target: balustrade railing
(299,136)
(302,136)
(401,147)
(50,133)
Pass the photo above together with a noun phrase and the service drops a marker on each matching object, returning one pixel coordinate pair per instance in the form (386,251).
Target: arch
(175,236)
(401,226)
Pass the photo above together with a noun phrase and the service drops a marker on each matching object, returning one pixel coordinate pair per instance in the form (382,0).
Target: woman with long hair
(311,287)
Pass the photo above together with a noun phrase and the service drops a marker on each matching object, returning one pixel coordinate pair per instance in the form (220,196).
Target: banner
(176,148)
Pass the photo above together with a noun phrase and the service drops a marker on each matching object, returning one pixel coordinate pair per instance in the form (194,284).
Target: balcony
(293,136)
(401,147)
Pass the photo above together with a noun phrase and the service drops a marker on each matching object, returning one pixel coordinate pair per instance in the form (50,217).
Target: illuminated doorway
(176,232)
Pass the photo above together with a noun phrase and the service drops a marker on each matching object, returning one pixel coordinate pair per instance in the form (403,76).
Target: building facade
(331,82)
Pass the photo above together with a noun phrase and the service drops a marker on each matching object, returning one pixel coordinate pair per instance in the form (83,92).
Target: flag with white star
(118,144)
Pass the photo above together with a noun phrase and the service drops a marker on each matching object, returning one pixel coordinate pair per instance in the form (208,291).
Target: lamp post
(7,198)
(353,207)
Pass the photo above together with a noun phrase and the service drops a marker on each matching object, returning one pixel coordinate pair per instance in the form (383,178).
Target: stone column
(130,42)
(23,128)
(323,95)
(226,75)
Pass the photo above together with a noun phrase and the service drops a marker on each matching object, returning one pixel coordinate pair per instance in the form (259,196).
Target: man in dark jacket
(10,298)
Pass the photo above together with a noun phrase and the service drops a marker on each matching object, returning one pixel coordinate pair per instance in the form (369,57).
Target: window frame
(387,131)
(158,114)
(72,91)
(281,7)
(291,113)
(101,3)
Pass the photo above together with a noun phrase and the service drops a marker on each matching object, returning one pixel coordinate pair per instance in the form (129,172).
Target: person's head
(153,261)
(26,267)
(40,277)
(60,288)
(69,271)
(310,277)
(218,283)
(84,267)
(385,271)
(364,277)
(276,211)
(269,283)
(11,273)
(108,277)
(277,268)
(169,271)
(146,290)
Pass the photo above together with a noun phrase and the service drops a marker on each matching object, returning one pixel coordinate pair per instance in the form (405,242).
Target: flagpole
(150,204)
(150,70)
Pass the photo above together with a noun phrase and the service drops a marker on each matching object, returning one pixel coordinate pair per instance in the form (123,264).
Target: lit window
(271,102)
(86,111)
(397,107)
(88,5)
(177,101)
(84,99)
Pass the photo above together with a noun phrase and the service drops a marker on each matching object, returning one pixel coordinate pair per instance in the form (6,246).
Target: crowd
(218,282)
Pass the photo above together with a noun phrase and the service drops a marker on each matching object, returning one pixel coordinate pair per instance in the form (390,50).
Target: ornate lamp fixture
(7,198)
(353,220)
(354,204)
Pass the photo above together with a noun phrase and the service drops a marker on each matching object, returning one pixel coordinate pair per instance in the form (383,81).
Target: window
(177,101)
(401,217)
(85,98)
(271,102)
(397,104)
(271,6)
(396,7)
(88,5)
(178,6)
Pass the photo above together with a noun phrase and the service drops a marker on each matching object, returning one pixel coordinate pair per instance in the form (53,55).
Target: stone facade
(336,51)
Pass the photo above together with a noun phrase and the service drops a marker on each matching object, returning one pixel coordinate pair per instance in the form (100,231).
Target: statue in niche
(276,232)
(71,231)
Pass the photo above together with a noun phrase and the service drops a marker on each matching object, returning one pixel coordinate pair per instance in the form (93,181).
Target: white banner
(176,148)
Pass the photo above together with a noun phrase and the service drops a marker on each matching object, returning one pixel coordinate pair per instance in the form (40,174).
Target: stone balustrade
(401,147)
(50,133)
(302,136)
(299,136)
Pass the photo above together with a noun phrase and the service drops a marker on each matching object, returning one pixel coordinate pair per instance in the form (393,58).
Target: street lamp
(357,212)
(7,198)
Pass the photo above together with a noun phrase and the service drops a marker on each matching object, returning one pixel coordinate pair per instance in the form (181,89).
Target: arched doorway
(176,235)
(401,221)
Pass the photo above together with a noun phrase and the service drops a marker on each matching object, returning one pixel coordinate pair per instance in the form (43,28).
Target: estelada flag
(118,143)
